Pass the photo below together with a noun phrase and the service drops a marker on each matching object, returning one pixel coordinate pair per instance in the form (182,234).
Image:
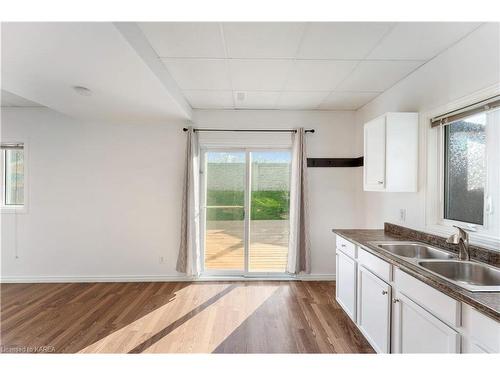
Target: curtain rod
(468,110)
(248,130)
(12,146)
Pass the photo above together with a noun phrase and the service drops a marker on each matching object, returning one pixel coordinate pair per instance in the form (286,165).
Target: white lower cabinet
(471,347)
(374,310)
(346,284)
(481,334)
(398,313)
(414,330)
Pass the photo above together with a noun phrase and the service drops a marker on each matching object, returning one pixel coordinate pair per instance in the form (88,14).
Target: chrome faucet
(462,240)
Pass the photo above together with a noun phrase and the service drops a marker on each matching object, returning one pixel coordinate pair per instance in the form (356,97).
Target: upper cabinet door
(401,153)
(391,153)
(374,155)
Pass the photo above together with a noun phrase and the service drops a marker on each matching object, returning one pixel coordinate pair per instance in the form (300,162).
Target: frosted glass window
(465,170)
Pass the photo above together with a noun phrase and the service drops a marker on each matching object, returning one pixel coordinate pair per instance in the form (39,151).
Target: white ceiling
(11,100)
(330,66)
(43,61)
(155,72)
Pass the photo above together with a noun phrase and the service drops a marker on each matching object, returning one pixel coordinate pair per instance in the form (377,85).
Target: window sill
(476,238)
(13,210)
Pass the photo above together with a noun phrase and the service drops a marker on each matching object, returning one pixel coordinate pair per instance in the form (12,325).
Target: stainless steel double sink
(470,275)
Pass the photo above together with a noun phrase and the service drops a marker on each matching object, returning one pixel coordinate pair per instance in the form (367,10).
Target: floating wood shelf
(334,162)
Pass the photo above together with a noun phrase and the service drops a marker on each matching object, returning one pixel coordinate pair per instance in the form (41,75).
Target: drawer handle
(384,292)
(380,182)
(395,300)
(343,245)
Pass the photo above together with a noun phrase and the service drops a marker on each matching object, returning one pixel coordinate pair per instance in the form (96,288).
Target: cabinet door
(374,154)
(471,347)
(374,303)
(415,330)
(346,284)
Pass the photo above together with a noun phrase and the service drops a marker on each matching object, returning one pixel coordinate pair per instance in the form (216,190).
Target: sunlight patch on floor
(208,329)
(127,338)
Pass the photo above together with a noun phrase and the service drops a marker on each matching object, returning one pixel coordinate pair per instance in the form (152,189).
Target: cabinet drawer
(444,307)
(376,265)
(346,247)
(485,332)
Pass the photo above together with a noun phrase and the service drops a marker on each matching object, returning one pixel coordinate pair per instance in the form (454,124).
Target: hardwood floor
(202,317)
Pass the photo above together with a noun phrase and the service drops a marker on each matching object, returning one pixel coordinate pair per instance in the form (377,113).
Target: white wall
(105,200)
(465,68)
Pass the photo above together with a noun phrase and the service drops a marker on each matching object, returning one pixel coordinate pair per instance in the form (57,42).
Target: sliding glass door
(270,208)
(245,208)
(225,211)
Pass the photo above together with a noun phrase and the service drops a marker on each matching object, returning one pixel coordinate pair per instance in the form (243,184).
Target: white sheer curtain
(299,249)
(188,260)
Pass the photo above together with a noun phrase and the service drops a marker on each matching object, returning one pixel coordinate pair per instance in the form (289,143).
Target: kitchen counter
(486,302)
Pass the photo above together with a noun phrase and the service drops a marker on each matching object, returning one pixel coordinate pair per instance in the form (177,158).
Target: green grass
(265,205)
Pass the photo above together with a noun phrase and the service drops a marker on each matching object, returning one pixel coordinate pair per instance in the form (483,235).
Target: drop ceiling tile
(262,39)
(341,40)
(378,75)
(318,75)
(265,75)
(347,100)
(184,39)
(256,99)
(420,40)
(209,99)
(199,74)
(301,99)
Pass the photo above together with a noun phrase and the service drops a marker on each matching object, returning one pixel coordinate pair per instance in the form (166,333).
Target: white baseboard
(162,278)
(92,279)
(317,277)
(314,277)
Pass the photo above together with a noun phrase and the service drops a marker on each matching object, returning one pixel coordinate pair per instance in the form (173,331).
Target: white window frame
(486,235)
(15,209)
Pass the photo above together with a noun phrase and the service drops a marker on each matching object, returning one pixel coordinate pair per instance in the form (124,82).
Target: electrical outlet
(161,260)
(402,214)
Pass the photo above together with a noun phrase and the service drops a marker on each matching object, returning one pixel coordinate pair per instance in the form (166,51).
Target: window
(465,170)
(471,171)
(462,168)
(13,175)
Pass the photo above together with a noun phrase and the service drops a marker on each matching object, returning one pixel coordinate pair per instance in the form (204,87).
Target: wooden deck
(224,248)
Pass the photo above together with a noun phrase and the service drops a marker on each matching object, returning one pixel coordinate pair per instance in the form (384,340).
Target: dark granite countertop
(486,302)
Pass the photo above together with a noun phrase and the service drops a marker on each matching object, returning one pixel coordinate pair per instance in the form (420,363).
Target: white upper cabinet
(391,153)
(375,154)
